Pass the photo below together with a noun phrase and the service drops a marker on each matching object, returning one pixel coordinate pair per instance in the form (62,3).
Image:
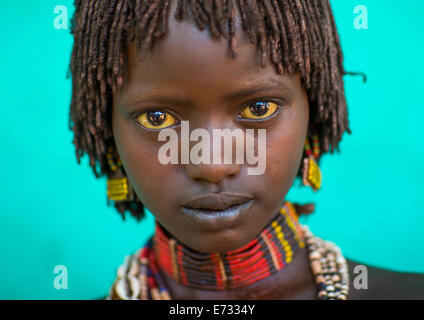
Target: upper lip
(217,201)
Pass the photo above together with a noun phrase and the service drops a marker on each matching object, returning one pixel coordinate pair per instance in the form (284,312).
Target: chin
(222,241)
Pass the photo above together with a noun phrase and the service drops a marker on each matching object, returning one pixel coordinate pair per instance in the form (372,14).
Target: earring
(312,175)
(118,187)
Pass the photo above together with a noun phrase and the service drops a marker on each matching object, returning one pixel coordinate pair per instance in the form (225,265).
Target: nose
(213,173)
(219,168)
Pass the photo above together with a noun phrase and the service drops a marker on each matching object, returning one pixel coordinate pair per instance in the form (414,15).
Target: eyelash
(136,114)
(279,102)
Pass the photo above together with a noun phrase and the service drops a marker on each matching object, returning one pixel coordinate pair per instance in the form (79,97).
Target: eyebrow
(244,92)
(156,98)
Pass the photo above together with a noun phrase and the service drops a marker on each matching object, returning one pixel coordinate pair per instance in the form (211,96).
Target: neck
(270,252)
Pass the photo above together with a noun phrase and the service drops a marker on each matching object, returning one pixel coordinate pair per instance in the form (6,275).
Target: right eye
(156,120)
(260,110)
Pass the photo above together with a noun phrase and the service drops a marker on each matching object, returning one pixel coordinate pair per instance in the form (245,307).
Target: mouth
(214,212)
(215,202)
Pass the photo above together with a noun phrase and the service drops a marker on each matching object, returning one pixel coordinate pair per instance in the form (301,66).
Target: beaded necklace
(271,251)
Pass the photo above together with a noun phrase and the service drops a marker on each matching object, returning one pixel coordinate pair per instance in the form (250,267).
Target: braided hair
(300,34)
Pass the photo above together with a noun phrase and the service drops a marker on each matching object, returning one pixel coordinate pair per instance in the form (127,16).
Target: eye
(260,110)
(156,120)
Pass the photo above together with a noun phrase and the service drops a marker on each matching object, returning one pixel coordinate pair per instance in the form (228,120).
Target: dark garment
(386,284)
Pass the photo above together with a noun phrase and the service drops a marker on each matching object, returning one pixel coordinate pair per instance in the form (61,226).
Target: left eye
(156,120)
(259,110)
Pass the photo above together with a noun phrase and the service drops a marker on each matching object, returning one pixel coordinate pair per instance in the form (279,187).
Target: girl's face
(189,76)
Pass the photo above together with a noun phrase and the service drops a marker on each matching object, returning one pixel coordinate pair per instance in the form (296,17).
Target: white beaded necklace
(328,266)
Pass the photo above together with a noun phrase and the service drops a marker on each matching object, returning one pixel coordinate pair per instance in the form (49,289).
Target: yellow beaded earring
(118,186)
(312,175)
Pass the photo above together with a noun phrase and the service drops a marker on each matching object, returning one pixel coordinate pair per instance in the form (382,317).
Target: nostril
(212,172)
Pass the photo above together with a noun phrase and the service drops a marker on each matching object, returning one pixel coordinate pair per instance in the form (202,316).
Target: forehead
(189,57)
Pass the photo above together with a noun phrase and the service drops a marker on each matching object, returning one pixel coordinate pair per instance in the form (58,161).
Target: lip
(214,212)
(217,201)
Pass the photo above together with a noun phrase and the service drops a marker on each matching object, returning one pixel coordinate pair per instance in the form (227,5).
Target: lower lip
(216,220)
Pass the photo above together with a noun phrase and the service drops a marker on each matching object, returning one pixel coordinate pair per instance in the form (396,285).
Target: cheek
(139,154)
(284,149)
(281,168)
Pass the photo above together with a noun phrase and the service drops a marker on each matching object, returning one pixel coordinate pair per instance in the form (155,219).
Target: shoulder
(370,282)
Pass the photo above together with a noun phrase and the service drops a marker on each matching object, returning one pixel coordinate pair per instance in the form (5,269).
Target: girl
(142,66)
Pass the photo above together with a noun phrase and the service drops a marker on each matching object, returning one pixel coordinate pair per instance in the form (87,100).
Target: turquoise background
(53,212)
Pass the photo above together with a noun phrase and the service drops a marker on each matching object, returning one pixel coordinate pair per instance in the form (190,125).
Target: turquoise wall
(53,212)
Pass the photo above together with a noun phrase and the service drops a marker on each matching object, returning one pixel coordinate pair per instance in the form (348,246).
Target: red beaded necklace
(268,253)
(140,277)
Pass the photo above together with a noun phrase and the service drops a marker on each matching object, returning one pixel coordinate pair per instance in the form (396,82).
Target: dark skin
(197,77)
